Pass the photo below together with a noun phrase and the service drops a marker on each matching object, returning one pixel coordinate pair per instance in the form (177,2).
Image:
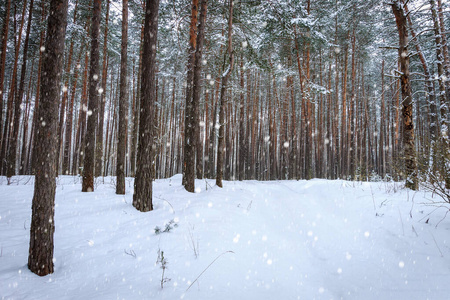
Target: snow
(316,239)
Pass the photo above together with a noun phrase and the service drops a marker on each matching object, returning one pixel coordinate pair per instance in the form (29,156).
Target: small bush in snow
(163,261)
(167,227)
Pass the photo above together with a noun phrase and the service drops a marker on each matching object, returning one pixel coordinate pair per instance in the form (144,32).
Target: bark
(123,104)
(197,87)
(34,125)
(189,120)
(408,126)
(142,198)
(40,258)
(24,158)
(4,39)
(242,146)
(9,146)
(443,101)
(65,92)
(81,128)
(11,171)
(101,114)
(69,118)
(382,158)
(134,139)
(351,115)
(444,48)
(225,76)
(92,113)
(429,84)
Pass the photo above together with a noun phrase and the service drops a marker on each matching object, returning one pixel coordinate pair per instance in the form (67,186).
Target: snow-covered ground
(316,239)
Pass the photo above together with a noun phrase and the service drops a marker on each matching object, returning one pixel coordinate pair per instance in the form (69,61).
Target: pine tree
(40,258)
(92,113)
(123,104)
(142,197)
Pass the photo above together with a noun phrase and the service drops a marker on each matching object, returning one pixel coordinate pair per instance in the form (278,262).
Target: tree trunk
(123,105)
(225,77)
(11,132)
(65,91)
(242,145)
(24,156)
(92,113)
(18,103)
(444,48)
(40,257)
(429,84)
(101,113)
(189,117)
(69,118)
(142,198)
(4,39)
(197,87)
(408,126)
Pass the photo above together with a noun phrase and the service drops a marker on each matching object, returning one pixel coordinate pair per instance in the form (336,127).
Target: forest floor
(316,239)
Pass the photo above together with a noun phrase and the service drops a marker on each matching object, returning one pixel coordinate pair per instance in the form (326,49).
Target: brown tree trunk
(408,126)
(443,101)
(242,145)
(382,158)
(65,91)
(197,87)
(101,113)
(142,198)
(24,156)
(81,127)
(444,44)
(92,113)
(40,257)
(429,84)
(18,102)
(123,104)
(351,114)
(225,76)
(4,39)
(69,119)
(34,125)
(189,117)
(9,146)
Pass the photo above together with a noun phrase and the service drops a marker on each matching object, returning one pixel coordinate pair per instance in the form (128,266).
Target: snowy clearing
(316,239)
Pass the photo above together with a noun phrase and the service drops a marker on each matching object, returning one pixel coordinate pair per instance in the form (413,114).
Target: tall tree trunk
(223,89)
(189,117)
(197,87)
(242,145)
(69,118)
(81,128)
(65,90)
(4,40)
(34,125)
(11,171)
(123,104)
(10,138)
(24,156)
(351,113)
(92,113)
(40,257)
(382,166)
(101,113)
(408,126)
(429,84)
(444,44)
(142,198)
(443,101)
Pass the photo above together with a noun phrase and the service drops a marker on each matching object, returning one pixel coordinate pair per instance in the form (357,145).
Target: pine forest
(134,92)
